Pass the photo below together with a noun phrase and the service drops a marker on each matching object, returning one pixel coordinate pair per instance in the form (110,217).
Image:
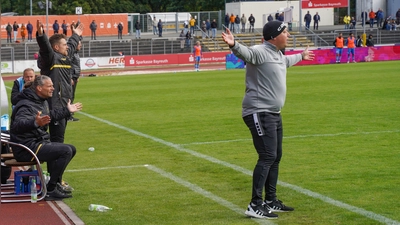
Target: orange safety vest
(350,42)
(197,50)
(339,42)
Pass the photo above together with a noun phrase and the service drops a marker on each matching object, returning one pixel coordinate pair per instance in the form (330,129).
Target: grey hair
(39,81)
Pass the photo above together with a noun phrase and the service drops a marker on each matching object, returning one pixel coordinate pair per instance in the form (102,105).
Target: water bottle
(33,190)
(5,122)
(99,208)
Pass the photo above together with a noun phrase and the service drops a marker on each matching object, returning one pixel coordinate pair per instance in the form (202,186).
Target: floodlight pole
(31,7)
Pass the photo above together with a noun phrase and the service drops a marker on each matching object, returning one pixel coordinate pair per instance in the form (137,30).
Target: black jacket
(58,68)
(23,128)
(75,66)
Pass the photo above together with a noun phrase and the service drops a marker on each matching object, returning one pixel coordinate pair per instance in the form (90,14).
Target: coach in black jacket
(29,123)
(55,54)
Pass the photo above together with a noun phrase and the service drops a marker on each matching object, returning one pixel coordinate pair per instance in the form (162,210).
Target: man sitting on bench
(29,124)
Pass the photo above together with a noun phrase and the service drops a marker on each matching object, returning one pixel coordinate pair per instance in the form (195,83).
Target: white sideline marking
(184,183)
(295,136)
(326,199)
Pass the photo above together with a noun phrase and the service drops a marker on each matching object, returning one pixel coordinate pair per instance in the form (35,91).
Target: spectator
(227,20)
(398,17)
(182,37)
(56,27)
(214,27)
(137,27)
(120,29)
(188,39)
(252,20)
(281,17)
(232,22)
(270,18)
(9,29)
(203,29)
(93,28)
(192,24)
(243,21)
(370,41)
(353,23)
(358,41)
(346,20)
(160,28)
(371,18)
(185,27)
(15,29)
(208,27)
(364,16)
(27,76)
(23,32)
(316,19)
(307,20)
(237,24)
(155,29)
(29,28)
(379,18)
(29,122)
(64,27)
(75,74)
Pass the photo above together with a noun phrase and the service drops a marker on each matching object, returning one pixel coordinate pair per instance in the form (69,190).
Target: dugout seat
(8,193)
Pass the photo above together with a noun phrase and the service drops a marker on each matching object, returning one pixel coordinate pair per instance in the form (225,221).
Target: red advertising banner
(106,23)
(310,4)
(173,59)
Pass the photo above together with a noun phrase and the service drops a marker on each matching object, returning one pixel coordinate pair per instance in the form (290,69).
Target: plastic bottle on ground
(33,190)
(99,208)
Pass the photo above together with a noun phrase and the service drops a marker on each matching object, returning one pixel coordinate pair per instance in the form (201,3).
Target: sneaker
(63,189)
(66,186)
(259,211)
(278,206)
(56,195)
(72,119)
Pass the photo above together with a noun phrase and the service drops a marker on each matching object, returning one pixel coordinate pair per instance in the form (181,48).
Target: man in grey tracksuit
(264,98)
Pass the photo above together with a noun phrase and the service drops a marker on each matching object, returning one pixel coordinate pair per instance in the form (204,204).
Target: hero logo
(132,61)
(90,63)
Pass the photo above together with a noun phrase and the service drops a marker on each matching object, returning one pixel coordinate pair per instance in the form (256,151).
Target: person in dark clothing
(55,54)
(226,20)
(29,122)
(370,41)
(359,41)
(15,29)
(28,76)
(307,19)
(214,27)
(93,28)
(120,28)
(75,74)
(137,28)
(270,18)
(29,28)
(252,20)
(56,27)
(317,19)
(160,27)
(64,27)
(9,30)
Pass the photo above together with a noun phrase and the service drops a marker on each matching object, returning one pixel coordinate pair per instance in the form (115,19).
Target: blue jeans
(137,33)
(155,30)
(214,32)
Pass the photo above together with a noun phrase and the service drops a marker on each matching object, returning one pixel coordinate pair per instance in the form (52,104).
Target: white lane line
(184,183)
(326,199)
(204,193)
(295,136)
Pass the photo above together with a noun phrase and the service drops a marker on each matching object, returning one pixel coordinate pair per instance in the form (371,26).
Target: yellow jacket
(346,19)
